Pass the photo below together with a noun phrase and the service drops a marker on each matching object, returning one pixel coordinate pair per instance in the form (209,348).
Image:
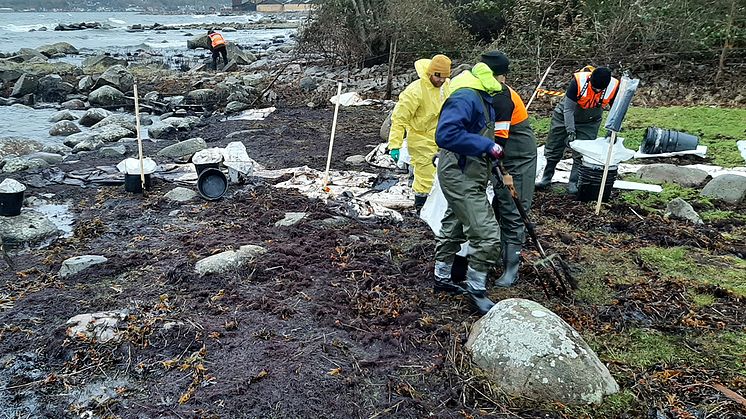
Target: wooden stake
(139,139)
(606,172)
(331,140)
(541,82)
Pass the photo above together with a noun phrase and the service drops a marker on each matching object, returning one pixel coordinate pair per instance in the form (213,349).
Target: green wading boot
(511,265)
(477,291)
(546,178)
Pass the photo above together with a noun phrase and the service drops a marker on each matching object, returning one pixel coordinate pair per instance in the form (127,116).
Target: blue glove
(394,154)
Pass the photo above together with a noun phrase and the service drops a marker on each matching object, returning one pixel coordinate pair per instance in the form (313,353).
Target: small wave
(198,16)
(117,21)
(21,28)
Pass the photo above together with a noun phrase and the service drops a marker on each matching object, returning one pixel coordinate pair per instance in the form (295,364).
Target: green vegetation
(654,201)
(719,215)
(698,267)
(701,300)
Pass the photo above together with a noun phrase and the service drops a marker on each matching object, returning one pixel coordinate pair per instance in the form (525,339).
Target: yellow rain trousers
(416,116)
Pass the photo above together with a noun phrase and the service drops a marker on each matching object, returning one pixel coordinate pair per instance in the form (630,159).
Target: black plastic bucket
(659,140)
(202,167)
(212,184)
(589,182)
(11,203)
(133,183)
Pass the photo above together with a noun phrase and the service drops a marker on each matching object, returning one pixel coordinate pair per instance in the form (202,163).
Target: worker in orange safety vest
(218,48)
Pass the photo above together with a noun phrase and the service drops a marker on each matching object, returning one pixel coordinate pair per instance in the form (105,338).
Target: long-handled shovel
(139,141)
(557,274)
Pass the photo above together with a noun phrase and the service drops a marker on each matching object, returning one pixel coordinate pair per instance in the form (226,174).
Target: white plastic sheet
(131,166)
(742,148)
(351,99)
(596,151)
(626,91)
(436,205)
(208,156)
(255,114)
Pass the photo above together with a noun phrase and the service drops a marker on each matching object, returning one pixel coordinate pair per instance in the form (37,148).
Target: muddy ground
(338,318)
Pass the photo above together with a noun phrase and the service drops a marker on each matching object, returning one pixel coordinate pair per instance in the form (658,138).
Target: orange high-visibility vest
(217,39)
(587,98)
(520,113)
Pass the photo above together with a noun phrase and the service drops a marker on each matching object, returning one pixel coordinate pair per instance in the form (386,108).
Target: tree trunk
(392,63)
(727,42)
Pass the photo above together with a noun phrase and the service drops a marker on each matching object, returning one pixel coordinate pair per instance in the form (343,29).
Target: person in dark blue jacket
(478,109)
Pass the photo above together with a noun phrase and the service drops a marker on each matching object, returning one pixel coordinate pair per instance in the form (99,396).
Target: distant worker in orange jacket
(217,46)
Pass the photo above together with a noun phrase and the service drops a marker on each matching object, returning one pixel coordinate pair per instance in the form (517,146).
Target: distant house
(282,6)
(249,5)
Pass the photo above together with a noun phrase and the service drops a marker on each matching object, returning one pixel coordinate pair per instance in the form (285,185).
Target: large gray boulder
(20,164)
(89,144)
(24,85)
(52,88)
(202,97)
(111,133)
(106,96)
(93,116)
(161,130)
(63,116)
(681,209)
(86,83)
(184,148)
(28,227)
(103,61)
(236,106)
(729,188)
(51,158)
(201,41)
(75,139)
(57,48)
(28,55)
(662,172)
(117,77)
(180,194)
(78,264)
(113,151)
(73,104)
(123,120)
(64,128)
(528,351)
(182,124)
(238,55)
(230,260)
(308,84)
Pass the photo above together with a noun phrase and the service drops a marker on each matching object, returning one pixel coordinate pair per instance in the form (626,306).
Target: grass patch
(540,127)
(640,348)
(702,300)
(600,269)
(701,267)
(655,201)
(726,349)
(720,215)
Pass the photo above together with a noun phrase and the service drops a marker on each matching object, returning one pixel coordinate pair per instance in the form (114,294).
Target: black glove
(571,136)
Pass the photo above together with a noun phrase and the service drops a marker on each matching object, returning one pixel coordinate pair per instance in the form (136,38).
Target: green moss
(699,267)
(640,348)
(701,300)
(600,270)
(719,215)
(724,350)
(654,201)
(540,127)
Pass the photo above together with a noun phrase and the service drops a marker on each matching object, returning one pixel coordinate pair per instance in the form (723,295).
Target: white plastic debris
(351,99)
(131,166)
(701,151)
(255,114)
(596,151)
(742,148)
(11,186)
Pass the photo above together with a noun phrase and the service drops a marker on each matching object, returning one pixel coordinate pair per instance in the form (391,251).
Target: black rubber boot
(546,178)
(572,184)
(511,265)
(476,286)
(419,201)
(443,281)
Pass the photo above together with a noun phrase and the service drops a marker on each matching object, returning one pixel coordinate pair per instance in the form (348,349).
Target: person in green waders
(478,110)
(577,117)
(520,162)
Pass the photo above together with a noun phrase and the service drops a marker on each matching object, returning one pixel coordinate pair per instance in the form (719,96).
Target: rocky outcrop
(728,188)
(117,77)
(78,264)
(64,128)
(683,176)
(52,88)
(123,120)
(161,130)
(20,164)
(106,96)
(230,260)
(18,146)
(74,104)
(203,97)
(86,83)
(531,352)
(681,209)
(57,48)
(104,61)
(93,116)
(183,149)
(24,85)
(63,116)
(29,227)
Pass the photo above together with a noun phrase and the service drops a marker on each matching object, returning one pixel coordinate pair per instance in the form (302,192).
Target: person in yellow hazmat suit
(415,117)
